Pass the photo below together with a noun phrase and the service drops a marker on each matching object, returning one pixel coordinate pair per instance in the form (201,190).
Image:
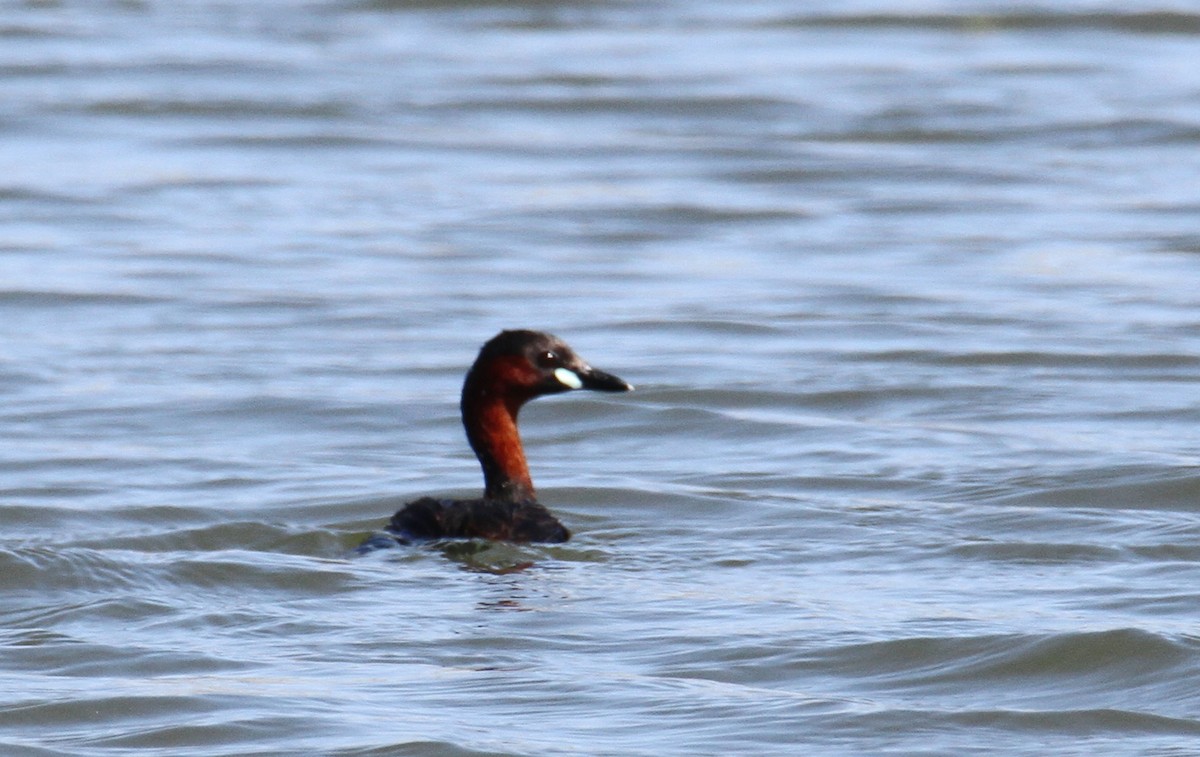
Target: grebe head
(513,368)
(521,365)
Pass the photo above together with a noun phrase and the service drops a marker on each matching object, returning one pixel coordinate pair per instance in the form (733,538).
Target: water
(909,292)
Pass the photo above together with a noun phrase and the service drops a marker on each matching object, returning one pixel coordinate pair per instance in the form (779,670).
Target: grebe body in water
(512,368)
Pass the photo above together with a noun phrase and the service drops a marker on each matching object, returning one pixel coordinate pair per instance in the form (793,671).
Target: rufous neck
(491,424)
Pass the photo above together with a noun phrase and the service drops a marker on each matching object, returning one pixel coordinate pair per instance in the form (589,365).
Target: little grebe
(513,368)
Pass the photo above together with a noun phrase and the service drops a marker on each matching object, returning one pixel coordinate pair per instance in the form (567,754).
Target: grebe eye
(548,358)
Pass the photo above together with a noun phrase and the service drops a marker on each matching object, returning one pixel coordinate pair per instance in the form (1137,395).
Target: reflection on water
(907,296)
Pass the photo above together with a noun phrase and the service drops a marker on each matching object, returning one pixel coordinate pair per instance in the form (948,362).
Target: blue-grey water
(910,292)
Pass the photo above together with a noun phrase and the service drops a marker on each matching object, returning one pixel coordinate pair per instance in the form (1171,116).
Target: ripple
(1149,22)
(251,108)
(28,298)
(1125,487)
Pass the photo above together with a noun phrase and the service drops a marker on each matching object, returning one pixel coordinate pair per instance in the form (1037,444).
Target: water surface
(908,292)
